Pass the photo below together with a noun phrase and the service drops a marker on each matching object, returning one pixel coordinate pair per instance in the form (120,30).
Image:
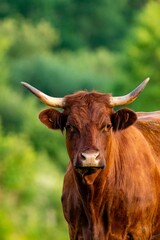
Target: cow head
(89,120)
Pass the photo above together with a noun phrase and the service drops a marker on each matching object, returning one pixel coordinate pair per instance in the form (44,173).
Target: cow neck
(91,193)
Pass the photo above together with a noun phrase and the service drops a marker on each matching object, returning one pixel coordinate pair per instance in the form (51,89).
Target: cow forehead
(88,107)
(87,98)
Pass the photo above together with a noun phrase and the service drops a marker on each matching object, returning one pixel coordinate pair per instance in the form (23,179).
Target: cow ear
(52,119)
(123,118)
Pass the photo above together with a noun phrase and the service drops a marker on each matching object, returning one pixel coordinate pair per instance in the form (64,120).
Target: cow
(111,188)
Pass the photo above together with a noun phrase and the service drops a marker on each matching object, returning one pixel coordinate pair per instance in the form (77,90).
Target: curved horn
(51,101)
(130,97)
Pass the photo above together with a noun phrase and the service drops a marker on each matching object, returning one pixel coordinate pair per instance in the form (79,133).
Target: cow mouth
(87,171)
(89,174)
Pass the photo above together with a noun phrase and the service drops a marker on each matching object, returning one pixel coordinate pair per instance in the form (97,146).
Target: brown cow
(112,185)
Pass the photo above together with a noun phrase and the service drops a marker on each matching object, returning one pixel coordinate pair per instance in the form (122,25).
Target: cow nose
(93,155)
(90,159)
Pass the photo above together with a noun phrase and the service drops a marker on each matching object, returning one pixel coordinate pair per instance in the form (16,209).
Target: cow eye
(70,128)
(106,127)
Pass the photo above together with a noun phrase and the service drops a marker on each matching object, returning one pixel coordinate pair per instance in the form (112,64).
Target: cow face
(89,124)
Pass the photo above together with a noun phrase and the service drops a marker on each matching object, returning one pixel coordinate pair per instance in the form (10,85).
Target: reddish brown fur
(120,201)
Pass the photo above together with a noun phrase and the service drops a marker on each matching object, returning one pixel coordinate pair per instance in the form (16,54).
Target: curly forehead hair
(87,98)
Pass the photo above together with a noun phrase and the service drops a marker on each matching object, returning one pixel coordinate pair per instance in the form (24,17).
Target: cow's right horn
(51,101)
(130,97)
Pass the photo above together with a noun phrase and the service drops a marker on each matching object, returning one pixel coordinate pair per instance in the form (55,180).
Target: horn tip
(147,79)
(144,83)
(24,84)
(30,88)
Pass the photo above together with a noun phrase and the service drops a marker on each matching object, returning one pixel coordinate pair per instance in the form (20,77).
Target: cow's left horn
(51,101)
(130,97)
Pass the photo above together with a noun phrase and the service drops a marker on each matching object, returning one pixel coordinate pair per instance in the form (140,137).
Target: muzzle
(89,159)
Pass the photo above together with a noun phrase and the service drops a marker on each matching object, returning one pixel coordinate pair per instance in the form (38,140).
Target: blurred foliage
(142,55)
(81,24)
(50,45)
(22,38)
(30,187)
(68,70)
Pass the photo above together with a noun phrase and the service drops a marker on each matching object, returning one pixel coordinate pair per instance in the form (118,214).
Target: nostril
(96,155)
(83,156)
